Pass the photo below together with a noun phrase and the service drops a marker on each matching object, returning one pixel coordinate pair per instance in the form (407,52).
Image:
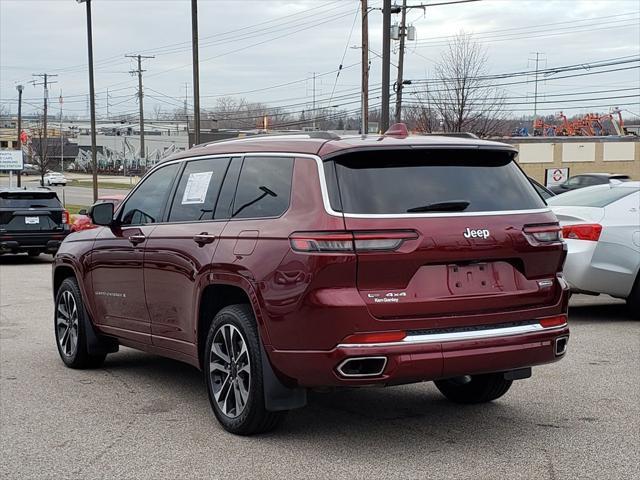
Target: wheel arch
(217,295)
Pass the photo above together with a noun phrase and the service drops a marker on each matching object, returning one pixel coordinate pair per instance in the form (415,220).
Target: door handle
(136,239)
(203,238)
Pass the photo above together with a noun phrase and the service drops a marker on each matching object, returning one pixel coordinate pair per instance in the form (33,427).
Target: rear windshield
(597,196)
(29,200)
(429,181)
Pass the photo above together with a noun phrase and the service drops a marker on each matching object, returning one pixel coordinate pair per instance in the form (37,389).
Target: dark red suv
(281,263)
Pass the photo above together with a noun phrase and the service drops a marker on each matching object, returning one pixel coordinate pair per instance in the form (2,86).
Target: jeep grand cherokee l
(282,263)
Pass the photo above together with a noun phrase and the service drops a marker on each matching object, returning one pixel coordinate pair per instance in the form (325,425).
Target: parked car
(32,221)
(543,191)
(601,226)
(54,178)
(281,263)
(588,180)
(82,220)
(30,169)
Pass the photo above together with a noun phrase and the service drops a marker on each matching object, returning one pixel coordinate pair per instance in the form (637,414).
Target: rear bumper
(431,359)
(15,243)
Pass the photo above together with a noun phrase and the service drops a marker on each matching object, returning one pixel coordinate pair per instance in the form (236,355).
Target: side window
(146,204)
(228,190)
(197,192)
(264,187)
(575,181)
(588,181)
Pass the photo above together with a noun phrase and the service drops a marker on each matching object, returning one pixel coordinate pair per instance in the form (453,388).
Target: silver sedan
(601,226)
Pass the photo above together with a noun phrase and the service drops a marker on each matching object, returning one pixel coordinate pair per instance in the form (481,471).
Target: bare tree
(158,112)
(464,98)
(41,152)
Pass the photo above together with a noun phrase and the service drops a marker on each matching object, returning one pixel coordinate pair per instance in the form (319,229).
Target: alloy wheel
(230,370)
(67,323)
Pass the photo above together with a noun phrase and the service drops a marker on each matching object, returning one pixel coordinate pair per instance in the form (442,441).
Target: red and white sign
(556,176)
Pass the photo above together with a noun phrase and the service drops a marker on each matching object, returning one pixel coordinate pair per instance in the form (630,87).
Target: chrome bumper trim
(458,336)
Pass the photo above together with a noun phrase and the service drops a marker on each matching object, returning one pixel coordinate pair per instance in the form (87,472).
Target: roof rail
(319,134)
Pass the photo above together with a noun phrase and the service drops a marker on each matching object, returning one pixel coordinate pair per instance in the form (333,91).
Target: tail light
(555,321)
(375,337)
(540,234)
(350,242)
(65,217)
(583,231)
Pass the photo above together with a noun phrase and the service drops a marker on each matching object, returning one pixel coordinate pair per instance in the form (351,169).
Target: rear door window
(398,182)
(264,187)
(197,193)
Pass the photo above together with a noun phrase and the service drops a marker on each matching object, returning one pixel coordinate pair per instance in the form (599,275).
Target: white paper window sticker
(196,189)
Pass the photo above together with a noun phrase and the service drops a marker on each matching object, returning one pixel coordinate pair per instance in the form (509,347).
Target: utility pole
(403,35)
(315,114)
(19,88)
(386,64)
(535,93)
(92,101)
(140,101)
(61,137)
(196,73)
(365,69)
(107,104)
(44,147)
(186,108)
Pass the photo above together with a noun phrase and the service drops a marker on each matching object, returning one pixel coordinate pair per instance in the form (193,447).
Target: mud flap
(278,397)
(98,344)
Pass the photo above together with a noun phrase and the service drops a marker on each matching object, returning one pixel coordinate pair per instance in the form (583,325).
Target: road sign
(556,176)
(11,160)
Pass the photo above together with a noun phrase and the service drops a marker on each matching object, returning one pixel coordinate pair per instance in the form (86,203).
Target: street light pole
(19,143)
(92,99)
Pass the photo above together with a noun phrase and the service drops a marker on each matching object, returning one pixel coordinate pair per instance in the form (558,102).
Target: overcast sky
(248,48)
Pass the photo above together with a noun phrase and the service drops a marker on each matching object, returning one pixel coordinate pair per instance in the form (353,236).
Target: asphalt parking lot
(142,416)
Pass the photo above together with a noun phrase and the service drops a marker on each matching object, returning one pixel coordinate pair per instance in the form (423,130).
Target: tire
(73,353)
(480,389)
(633,300)
(232,329)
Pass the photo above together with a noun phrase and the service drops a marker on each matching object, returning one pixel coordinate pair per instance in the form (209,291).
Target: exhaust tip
(561,346)
(361,367)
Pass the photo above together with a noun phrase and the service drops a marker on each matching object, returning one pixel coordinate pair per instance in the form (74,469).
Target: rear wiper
(449,206)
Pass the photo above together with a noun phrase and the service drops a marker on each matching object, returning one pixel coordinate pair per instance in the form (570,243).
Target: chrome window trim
(458,336)
(325,192)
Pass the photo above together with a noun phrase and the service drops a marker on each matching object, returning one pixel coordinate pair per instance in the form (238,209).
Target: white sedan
(54,178)
(601,226)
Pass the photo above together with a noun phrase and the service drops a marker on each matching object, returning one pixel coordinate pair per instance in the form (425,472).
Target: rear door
(442,232)
(179,252)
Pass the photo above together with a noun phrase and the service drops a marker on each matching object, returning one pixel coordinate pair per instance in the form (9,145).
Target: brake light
(537,234)
(376,337)
(363,241)
(65,217)
(586,231)
(555,321)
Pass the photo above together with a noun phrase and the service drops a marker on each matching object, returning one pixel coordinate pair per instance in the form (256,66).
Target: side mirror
(82,212)
(102,214)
